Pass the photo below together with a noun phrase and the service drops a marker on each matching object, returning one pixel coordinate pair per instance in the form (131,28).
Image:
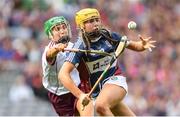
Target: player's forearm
(136,46)
(69,84)
(51,53)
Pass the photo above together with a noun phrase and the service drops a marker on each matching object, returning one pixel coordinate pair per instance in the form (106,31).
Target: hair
(84,38)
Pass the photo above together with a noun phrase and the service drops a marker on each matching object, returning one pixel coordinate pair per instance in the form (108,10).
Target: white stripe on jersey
(72,54)
(51,44)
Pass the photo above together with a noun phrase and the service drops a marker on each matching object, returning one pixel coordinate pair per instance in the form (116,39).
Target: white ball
(132,25)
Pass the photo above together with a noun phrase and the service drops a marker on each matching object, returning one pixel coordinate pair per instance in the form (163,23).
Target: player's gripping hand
(60,47)
(84,99)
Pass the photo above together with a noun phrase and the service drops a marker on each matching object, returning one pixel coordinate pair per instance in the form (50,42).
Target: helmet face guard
(94,34)
(49,24)
(64,40)
(84,15)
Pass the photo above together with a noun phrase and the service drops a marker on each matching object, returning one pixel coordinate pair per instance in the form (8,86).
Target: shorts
(64,105)
(118,80)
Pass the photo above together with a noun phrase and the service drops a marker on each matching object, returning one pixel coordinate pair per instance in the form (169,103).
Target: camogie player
(59,32)
(113,88)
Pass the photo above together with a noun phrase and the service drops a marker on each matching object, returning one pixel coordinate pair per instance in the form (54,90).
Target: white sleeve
(70,45)
(127,43)
(44,60)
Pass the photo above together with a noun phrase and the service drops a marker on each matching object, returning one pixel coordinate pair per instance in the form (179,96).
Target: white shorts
(118,80)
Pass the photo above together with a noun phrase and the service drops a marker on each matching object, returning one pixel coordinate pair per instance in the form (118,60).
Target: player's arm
(143,44)
(65,78)
(53,51)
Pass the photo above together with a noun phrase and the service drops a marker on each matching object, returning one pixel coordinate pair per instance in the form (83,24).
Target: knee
(101,108)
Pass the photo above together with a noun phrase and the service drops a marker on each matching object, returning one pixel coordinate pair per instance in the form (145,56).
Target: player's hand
(84,99)
(147,43)
(60,47)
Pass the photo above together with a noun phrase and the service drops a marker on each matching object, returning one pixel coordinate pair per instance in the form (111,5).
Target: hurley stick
(88,51)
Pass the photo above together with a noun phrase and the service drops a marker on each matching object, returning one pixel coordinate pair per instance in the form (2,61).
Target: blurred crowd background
(153,77)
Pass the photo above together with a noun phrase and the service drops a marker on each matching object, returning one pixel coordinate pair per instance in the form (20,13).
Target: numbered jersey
(96,63)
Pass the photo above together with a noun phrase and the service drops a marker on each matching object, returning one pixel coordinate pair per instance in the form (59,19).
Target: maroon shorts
(64,105)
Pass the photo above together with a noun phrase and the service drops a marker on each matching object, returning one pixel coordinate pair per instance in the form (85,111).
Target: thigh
(110,95)
(122,110)
(63,104)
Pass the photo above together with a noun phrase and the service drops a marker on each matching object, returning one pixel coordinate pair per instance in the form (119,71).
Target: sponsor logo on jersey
(99,65)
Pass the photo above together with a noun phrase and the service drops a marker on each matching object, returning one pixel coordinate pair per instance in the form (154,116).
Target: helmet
(84,15)
(49,24)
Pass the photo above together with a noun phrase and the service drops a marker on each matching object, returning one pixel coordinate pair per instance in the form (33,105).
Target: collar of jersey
(95,40)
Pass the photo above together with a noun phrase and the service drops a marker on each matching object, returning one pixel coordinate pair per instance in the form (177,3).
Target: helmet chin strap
(64,39)
(94,34)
